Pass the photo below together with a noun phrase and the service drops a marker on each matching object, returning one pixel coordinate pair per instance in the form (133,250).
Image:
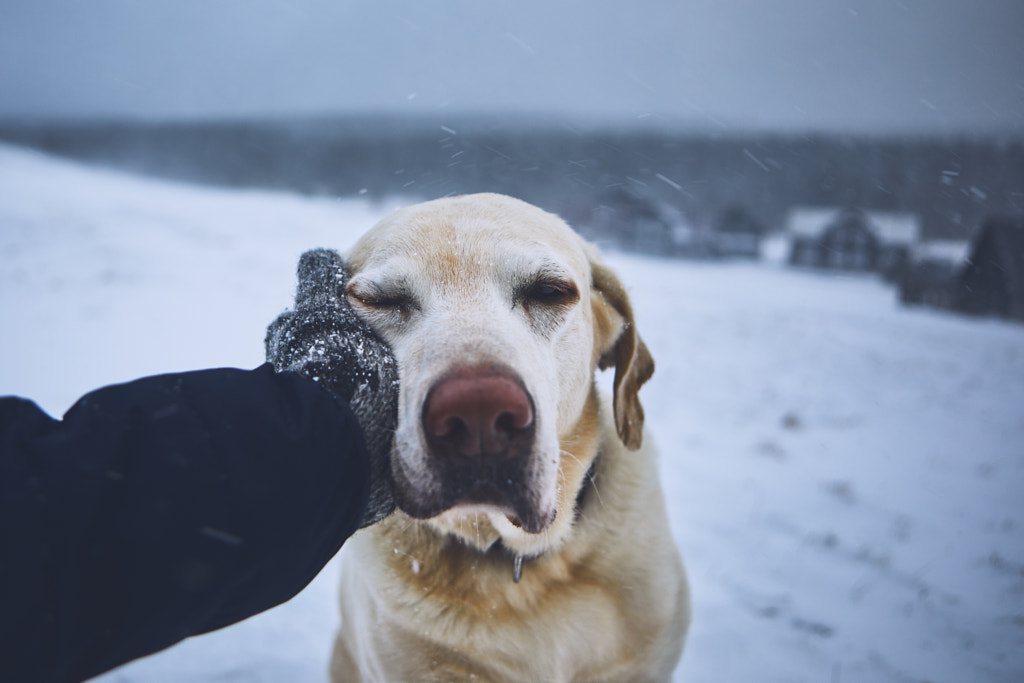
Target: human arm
(164,508)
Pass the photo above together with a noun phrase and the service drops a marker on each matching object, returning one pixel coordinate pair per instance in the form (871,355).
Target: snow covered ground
(845,477)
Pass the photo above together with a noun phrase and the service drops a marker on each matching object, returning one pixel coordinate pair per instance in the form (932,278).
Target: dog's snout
(479,424)
(479,413)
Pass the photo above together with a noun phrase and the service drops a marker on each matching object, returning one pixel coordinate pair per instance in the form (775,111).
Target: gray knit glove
(324,339)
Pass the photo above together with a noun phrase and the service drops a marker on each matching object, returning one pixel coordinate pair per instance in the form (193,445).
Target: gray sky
(856,65)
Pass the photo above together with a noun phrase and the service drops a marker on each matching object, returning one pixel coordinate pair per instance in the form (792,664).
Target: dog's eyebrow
(545,269)
(380,280)
(382,289)
(525,276)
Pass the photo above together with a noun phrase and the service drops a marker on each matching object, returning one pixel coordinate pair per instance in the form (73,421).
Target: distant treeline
(952,183)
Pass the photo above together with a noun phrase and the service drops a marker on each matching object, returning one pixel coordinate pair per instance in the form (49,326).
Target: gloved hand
(324,339)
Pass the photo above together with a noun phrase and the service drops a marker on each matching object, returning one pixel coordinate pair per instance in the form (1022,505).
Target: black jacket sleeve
(164,508)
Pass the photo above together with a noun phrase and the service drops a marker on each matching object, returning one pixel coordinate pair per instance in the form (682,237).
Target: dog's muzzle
(479,424)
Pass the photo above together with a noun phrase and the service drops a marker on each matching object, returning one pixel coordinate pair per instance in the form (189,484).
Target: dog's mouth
(497,488)
(479,427)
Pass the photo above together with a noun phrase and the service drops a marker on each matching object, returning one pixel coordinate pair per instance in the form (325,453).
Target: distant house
(850,239)
(690,241)
(630,220)
(634,220)
(928,276)
(738,234)
(992,280)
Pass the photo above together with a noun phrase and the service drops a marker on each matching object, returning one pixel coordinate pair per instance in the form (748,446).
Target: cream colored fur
(603,594)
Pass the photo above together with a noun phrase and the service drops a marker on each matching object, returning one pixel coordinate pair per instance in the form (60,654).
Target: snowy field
(845,477)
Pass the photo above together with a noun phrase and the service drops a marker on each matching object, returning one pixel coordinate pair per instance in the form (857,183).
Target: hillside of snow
(845,477)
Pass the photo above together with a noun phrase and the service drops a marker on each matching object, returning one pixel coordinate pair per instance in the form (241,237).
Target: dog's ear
(616,343)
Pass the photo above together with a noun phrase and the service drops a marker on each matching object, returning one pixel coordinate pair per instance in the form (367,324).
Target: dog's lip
(485,509)
(520,513)
(497,487)
(523,517)
(536,526)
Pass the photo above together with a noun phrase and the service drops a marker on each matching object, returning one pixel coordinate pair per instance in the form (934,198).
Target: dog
(531,541)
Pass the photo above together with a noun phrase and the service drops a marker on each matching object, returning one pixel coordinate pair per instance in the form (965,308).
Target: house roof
(895,228)
(947,251)
(891,228)
(810,221)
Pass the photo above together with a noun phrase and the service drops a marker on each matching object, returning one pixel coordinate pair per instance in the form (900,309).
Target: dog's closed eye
(546,301)
(548,292)
(382,299)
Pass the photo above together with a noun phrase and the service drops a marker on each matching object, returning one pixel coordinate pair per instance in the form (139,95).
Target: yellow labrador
(531,541)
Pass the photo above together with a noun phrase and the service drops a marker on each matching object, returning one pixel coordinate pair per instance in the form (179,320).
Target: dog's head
(498,315)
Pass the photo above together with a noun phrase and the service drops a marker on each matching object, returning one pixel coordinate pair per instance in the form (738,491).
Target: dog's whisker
(593,482)
(572,455)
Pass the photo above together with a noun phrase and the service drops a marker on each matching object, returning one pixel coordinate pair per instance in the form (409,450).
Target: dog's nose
(479,413)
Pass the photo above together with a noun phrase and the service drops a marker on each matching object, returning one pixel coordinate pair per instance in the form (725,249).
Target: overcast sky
(852,65)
